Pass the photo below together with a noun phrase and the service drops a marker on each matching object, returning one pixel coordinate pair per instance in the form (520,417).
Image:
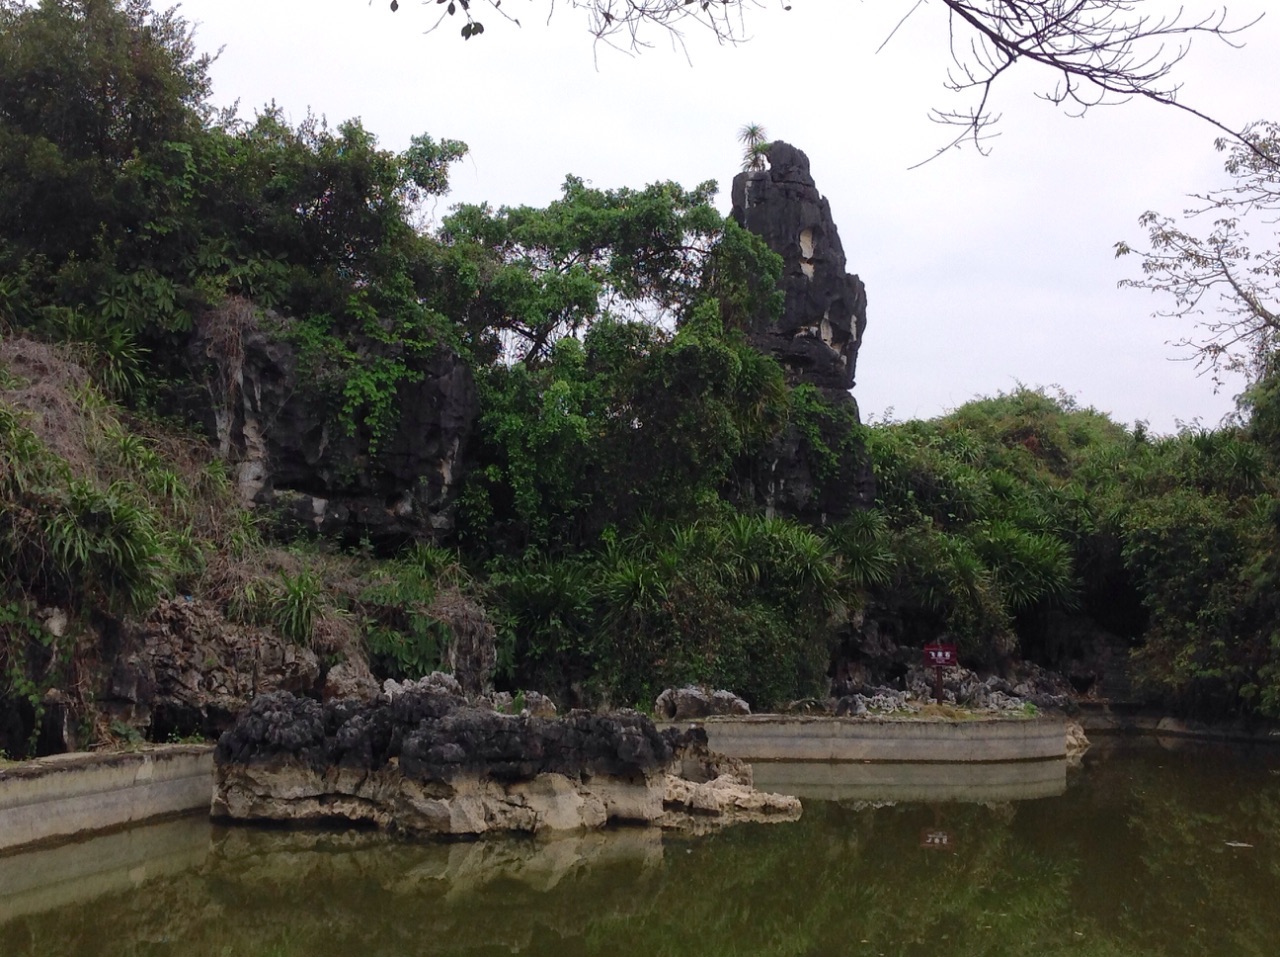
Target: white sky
(981,272)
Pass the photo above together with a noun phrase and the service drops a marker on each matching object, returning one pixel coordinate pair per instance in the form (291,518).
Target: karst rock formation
(816,339)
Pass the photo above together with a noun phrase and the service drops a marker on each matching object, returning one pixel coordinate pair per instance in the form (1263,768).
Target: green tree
(755,144)
(625,254)
(99,103)
(631,421)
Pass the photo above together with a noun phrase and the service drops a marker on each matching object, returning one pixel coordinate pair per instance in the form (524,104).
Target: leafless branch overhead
(1092,52)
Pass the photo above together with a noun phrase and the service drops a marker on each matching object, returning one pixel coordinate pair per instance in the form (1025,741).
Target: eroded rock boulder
(186,669)
(427,762)
(705,787)
(691,702)
(825,314)
(1077,744)
(350,679)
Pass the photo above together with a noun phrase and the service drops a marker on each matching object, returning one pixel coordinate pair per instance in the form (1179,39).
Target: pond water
(1146,851)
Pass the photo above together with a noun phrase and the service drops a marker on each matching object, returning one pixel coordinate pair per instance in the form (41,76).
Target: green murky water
(1145,852)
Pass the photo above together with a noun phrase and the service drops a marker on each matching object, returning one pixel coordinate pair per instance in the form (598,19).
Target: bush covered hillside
(259,428)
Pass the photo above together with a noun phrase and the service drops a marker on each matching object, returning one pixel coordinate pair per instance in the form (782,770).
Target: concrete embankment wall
(804,738)
(70,794)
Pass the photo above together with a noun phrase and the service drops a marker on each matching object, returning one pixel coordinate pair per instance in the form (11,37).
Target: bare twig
(1095,52)
(1229,286)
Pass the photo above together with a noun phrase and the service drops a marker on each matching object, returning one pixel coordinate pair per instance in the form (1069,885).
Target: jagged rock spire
(826,308)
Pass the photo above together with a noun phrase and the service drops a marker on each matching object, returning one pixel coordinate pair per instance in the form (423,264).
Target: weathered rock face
(186,670)
(273,423)
(817,473)
(859,689)
(821,328)
(684,704)
(426,762)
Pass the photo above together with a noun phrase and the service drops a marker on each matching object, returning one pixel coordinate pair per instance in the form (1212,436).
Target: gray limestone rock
(691,703)
(816,341)
(425,762)
(185,669)
(275,422)
(821,328)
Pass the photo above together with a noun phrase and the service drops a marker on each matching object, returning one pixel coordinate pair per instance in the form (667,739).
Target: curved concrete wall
(70,794)
(802,738)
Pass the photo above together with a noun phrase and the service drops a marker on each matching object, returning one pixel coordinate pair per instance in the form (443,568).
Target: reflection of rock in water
(270,858)
(561,883)
(539,864)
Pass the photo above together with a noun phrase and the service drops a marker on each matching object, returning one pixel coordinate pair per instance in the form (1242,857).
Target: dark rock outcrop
(428,762)
(821,328)
(816,470)
(273,419)
(439,738)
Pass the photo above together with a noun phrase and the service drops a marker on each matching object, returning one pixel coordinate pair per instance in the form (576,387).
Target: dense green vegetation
(1024,522)
(602,523)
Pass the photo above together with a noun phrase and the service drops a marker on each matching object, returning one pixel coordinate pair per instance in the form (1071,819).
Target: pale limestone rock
(722,801)
(350,679)
(289,791)
(472,806)
(724,795)
(691,702)
(1077,743)
(627,803)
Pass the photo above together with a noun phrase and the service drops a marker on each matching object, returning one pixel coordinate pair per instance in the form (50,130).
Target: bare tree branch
(1230,288)
(1095,52)
(1099,51)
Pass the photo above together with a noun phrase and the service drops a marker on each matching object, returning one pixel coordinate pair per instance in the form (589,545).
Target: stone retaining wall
(806,738)
(70,794)
(1103,719)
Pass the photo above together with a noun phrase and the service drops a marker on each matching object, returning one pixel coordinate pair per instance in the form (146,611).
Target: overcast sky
(981,272)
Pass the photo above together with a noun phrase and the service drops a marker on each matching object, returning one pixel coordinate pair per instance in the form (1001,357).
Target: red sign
(939,655)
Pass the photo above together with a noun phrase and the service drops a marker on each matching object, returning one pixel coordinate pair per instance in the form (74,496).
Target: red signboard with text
(939,655)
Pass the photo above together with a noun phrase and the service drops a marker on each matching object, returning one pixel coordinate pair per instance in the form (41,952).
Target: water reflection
(76,873)
(884,783)
(1148,853)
